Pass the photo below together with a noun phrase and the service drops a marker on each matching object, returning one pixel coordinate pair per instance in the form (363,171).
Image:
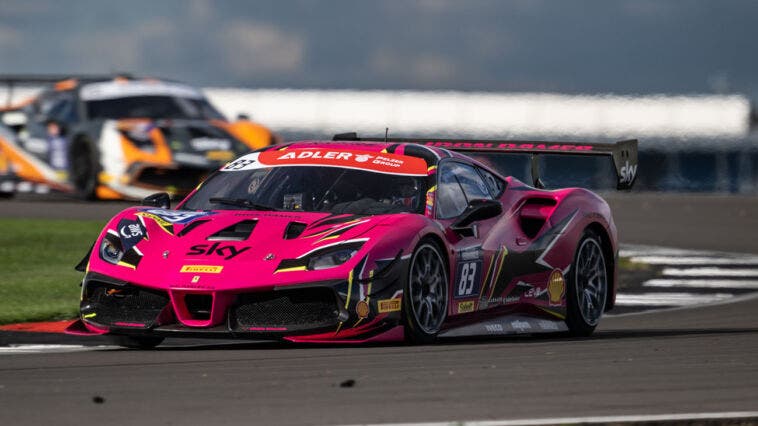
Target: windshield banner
(370,161)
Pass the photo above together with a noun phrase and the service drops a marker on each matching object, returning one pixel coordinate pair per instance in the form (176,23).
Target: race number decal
(468,278)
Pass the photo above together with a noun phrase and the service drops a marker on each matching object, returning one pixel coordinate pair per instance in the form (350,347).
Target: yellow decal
(219,155)
(294,268)
(127,265)
(92,315)
(388,305)
(464,307)
(164,224)
(202,269)
(556,287)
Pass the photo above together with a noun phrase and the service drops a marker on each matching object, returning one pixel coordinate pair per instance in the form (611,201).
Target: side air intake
(294,229)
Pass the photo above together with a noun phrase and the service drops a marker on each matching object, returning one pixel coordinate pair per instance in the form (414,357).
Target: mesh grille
(122,304)
(294,309)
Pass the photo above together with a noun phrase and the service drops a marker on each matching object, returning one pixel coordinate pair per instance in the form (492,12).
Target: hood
(228,250)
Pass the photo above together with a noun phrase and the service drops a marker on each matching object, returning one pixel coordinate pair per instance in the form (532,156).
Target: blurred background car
(120,138)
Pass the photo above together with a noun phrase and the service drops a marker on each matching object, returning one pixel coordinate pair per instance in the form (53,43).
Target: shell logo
(362,309)
(556,287)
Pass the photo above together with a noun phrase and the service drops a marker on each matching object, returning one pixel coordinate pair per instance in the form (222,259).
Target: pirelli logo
(202,269)
(389,305)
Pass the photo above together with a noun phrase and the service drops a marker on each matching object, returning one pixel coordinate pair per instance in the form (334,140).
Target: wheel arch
(610,264)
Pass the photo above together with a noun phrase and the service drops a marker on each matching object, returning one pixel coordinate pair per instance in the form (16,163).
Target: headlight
(332,258)
(110,251)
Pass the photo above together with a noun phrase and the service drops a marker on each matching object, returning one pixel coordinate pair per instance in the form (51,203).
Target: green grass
(37,258)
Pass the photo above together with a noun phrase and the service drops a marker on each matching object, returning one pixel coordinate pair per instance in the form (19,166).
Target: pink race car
(356,241)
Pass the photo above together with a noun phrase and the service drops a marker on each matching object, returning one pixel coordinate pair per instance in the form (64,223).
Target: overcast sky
(624,46)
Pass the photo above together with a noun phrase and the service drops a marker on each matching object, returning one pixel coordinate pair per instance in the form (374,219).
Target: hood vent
(294,229)
(237,232)
(186,230)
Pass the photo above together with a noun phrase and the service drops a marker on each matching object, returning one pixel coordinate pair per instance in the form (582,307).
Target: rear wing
(623,153)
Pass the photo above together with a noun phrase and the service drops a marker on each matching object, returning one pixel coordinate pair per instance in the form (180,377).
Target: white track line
(664,251)
(669,299)
(696,260)
(710,272)
(593,419)
(702,283)
(38,349)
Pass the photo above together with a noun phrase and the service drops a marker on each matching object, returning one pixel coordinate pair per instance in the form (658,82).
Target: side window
(494,184)
(457,184)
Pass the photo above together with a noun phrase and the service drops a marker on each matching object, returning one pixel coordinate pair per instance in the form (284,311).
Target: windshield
(312,189)
(155,107)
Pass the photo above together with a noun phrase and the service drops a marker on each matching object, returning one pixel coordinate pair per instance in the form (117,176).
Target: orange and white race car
(119,138)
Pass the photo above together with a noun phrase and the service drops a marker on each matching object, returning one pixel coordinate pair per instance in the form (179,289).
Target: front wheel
(588,286)
(425,298)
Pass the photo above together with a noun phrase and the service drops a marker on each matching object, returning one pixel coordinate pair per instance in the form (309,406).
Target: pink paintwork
(179,257)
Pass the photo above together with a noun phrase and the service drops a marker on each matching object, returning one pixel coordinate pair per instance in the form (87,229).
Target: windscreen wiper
(242,202)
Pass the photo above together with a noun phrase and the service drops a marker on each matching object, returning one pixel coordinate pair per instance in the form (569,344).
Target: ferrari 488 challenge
(356,240)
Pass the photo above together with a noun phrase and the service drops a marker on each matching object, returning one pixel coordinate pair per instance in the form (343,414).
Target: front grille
(288,310)
(184,179)
(127,305)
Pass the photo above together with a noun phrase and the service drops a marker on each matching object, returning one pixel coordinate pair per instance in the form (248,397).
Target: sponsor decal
(556,287)
(493,328)
(468,279)
(202,269)
(520,326)
(535,293)
(130,232)
(379,162)
(195,279)
(194,159)
(627,173)
(510,146)
(547,325)
(217,249)
(245,163)
(176,216)
(388,305)
(465,307)
(362,309)
(208,144)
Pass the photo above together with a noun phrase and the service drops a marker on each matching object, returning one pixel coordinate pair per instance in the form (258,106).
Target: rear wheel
(84,168)
(588,286)
(425,297)
(137,342)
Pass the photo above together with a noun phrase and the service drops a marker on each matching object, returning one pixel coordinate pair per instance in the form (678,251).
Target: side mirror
(160,199)
(477,210)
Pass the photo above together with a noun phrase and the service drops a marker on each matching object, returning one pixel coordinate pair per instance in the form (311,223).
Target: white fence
(482,114)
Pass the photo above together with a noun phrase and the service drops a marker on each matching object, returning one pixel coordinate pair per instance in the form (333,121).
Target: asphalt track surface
(677,361)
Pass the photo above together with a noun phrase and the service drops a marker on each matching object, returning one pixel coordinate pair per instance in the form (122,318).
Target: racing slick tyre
(84,168)
(426,298)
(587,286)
(137,342)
